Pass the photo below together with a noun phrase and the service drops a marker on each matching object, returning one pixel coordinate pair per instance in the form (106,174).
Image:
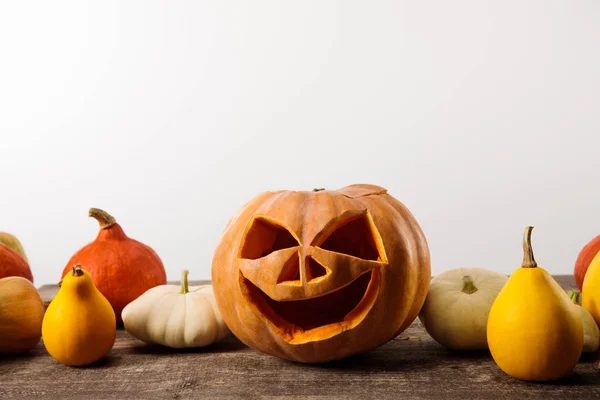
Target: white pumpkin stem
(184,282)
(468,285)
(575,296)
(528,259)
(104,219)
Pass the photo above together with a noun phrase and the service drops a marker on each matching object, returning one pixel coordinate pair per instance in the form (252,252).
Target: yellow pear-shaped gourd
(590,290)
(534,331)
(79,326)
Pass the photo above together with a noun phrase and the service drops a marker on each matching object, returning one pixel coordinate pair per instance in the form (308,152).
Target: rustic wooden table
(411,366)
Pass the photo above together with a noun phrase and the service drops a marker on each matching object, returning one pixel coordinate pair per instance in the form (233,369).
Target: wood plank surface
(412,366)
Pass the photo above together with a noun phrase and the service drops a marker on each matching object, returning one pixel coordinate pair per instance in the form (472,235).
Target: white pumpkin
(457,306)
(591,333)
(176,316)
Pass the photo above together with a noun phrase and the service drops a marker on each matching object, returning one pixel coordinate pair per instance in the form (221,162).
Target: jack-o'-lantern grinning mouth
(297,321)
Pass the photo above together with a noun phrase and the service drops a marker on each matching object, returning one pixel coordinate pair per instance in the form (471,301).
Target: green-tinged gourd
(591,333)
(14,243)
(456,310)
(590,291)
(12,264)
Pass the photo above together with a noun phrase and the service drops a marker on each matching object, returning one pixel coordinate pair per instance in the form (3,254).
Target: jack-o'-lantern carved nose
(314,270)
(295,273)
(274,260)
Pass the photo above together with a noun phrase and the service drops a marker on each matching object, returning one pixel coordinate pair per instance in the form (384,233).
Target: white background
(482,117)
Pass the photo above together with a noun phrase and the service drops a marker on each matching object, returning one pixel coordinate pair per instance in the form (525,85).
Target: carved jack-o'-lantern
(317,276)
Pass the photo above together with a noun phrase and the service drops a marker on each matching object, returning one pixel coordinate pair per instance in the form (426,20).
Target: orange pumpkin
(584,259)
(122,268)
(322,275)
(12,264)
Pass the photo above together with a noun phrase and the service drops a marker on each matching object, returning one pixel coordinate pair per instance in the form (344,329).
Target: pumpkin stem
(184,282)
(77,271)
(105,219)
(318,189)
(468,285)
(575,296)
(528,259)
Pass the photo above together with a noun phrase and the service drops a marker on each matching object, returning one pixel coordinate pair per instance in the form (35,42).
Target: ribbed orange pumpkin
(584,259)
(12,264)
(122,268)
(322,275)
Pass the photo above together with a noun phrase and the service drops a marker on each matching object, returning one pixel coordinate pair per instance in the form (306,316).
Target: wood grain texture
(412,366)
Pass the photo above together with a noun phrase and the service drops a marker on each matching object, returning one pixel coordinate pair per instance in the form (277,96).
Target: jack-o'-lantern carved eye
(352,233)
(265,236)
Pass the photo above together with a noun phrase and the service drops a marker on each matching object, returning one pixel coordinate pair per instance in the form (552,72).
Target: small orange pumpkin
(122,268)
(12,264)
(584,259)
(322,275)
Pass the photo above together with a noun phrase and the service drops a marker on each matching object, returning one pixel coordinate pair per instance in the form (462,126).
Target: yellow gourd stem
(77,271)
(104,219)
(575,296)
(468,285)
(184,282)
(318,189)
(528,259)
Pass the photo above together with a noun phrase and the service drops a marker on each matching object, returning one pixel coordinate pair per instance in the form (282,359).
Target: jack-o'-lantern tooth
(265,236)
(352,233)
